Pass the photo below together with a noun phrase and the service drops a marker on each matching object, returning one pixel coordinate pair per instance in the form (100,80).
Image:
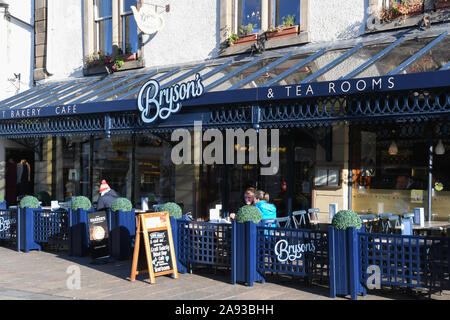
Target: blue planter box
(174,225)
(344,263)
(244,254)
(78,232)
(26,226)
(3,205)
(122,232)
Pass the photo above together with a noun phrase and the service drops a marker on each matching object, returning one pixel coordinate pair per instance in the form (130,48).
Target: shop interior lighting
(440,149)
(393,149)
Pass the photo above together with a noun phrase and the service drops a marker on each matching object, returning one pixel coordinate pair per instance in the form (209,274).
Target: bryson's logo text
(154,102)
(291,252)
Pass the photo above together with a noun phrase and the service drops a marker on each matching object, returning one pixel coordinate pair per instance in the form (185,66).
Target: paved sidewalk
(44,275)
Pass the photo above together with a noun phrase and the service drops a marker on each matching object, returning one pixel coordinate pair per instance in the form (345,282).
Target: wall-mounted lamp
(440,149)
(393,149)
(4,4)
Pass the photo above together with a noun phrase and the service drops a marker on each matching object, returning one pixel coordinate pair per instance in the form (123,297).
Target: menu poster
(154,245)
(98,234)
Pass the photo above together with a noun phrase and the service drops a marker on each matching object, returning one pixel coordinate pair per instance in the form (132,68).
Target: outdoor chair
(284,222)
(313,214)
(383,221)
(299,218)
(390,223)
(370,219)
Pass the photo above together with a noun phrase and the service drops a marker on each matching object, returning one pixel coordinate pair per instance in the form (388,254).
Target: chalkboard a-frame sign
(154,237)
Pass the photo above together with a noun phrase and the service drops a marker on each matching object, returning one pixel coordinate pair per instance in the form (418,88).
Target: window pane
(250,12)
(394,58)
(434,59)
(127,5)
(285,8)
(105,36)
(130,34)
(104,8)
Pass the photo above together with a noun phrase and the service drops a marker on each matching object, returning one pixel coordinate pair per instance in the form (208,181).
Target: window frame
(229,24)
(91,34)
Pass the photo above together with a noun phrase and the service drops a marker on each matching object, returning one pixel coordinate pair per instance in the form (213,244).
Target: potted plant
(129,55)
(287,29)
(78,226)
(27,205)
(247,218)
(175,213)
(245,35)
(343,224)
(401,9)
(123,228)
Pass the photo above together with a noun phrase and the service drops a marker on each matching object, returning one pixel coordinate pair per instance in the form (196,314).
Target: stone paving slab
(43,276)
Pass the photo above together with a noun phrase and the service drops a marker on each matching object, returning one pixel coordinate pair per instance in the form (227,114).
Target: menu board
(98,234)
(154,245)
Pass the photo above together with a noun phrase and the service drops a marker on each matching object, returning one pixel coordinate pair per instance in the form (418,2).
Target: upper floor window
(103,25)
(249,12)
(129,28)
(284,10)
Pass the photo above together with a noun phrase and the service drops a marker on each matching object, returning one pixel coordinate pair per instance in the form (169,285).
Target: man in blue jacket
(268,210)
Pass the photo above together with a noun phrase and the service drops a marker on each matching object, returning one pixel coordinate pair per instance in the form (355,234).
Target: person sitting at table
(268,210)
(249,197)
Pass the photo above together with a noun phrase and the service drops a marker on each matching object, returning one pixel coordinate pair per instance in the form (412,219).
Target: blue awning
(411,52)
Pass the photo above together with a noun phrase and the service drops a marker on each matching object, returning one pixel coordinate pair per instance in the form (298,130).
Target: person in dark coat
(107,196)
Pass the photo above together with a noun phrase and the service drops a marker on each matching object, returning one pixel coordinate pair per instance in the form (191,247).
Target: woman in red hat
(107,196)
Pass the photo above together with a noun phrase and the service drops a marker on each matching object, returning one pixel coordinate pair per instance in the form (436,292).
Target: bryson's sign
(154,102)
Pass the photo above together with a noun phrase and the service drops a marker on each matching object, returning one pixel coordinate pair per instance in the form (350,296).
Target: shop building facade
(361,107)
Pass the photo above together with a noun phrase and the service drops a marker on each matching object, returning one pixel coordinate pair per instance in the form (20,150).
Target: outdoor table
(430,226)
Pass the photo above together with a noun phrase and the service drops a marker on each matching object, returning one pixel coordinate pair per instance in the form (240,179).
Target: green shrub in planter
(346,219)
(81,202)
(173,209)
(29,202)
(44,197)
(122,204)
(248,213)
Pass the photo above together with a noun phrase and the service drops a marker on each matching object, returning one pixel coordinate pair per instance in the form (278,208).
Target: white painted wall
(16,48)
(336,20)
(64,38)
(190,33)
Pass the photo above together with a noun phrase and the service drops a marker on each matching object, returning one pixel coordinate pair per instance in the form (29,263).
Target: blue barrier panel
(26,226)
(344,263)
(122,229)
(78,232)
(3,205)
(50,227)
(403,260)
(300,252)
(204,243)
(9,231)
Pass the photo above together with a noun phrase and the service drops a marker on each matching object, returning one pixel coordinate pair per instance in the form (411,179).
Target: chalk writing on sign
(160,249)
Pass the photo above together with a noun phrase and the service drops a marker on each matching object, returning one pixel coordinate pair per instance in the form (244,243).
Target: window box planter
(284,33)
(130,57)
(248,39)
(442,5)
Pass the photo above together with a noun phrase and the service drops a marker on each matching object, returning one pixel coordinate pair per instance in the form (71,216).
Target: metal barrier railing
(299,252)
(204,243)
(51,227)
(9,226)
(407,261)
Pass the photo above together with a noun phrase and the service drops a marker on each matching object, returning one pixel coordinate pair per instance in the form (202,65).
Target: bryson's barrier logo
(154,102)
